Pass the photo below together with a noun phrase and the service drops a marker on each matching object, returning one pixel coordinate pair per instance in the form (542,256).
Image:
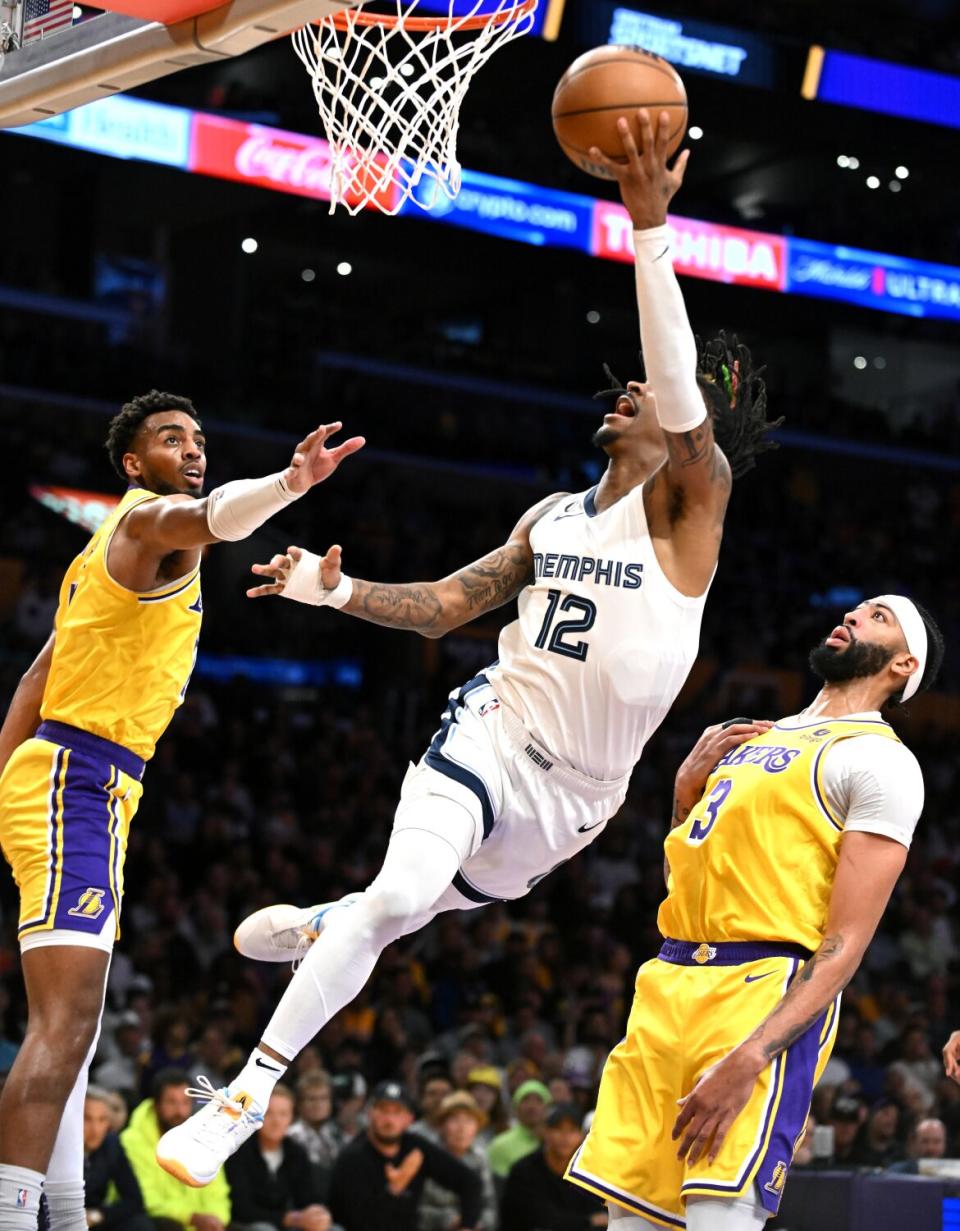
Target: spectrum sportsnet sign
(700,249)
(268,157)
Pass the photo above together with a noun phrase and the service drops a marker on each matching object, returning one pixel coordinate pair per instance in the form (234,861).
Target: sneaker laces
(308,934)
(210,1131)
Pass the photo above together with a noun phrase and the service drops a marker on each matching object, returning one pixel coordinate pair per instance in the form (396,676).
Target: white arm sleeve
(236,509)
(876,785)
(669,347)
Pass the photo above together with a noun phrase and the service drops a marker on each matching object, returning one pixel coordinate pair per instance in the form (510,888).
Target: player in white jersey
(533,756)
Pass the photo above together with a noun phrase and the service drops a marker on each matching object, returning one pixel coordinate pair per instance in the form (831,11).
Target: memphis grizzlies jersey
(121,660)
(756,858)
(603,642)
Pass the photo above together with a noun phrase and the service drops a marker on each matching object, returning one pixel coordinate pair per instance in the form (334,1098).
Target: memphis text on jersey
(579,568)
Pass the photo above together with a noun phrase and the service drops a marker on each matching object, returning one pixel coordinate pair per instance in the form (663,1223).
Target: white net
(389,88)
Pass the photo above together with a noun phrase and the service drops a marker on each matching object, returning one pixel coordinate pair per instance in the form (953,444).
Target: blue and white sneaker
(284,933)
(196,1150)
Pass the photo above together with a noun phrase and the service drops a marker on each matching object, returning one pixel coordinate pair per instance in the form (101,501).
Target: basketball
(604,84)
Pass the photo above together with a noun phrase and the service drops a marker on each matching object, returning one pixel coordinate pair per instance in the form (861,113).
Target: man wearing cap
(535,1197)
(378,1179)
(786,843)
(530,1102)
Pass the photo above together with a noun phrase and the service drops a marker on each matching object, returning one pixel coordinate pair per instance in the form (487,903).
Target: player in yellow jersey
(786,843)
(83,721)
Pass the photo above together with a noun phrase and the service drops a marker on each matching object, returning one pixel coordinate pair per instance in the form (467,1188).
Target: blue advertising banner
(513,210)
(873,279)
(891,89)
(122,127)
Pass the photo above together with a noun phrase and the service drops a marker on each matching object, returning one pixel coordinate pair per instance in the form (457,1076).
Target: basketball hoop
(389,89)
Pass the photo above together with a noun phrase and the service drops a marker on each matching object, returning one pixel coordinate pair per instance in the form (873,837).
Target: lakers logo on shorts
(89,905)
(777,1180)
(706,953)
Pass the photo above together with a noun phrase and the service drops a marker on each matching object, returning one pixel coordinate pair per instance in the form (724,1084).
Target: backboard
(113,51)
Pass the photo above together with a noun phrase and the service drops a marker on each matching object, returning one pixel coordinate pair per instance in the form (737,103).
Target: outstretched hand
(313,462)
(281,566)
(951,1057)
(647,184)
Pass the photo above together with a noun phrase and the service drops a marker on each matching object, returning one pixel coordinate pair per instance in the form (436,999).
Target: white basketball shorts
(531,811)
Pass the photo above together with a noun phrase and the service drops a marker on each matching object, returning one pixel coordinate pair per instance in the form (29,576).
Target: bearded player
(534,756)
(83,722)
(787,841)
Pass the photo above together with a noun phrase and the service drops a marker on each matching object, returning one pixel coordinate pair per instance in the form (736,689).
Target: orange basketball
(609,82)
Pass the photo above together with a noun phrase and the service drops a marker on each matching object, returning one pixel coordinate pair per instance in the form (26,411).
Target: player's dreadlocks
(736,397)
(125,425)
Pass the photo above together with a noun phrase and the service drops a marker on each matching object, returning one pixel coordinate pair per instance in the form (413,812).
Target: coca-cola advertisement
(269,157)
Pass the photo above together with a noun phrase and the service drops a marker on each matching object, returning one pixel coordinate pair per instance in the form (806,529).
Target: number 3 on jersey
(700,829)
(583,622)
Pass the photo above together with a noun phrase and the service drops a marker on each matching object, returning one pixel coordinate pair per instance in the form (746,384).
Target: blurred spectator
(434,1088)
(928,1139)
(847,1117)
(920,1070)
(536,1196)
(314,1127)
(349,1100)
(459,1120)
(124,1071)
(803,1155)
(272,1183)
(378,1179)
(171,1047)
(164,1196)
(485,1084)
(8,1049)
(530,1102)
(878,1144)
(112,1194)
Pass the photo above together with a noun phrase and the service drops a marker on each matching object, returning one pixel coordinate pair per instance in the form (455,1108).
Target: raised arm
(23,716)
(867,871)
(696,468)
(430,608)
(236,509)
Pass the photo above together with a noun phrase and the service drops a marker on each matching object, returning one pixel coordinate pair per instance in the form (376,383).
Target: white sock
(718,1214)
(65,1201)
(19,1198)
(258,1077)
(418,868)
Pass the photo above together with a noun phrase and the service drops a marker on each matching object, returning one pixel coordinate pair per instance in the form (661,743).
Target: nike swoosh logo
(587,828)
(261,1064)
(569,511)
(754,978)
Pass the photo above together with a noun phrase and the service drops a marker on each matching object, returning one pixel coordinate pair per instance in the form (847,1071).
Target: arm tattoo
(688,448)
(421,608)
(775,1041)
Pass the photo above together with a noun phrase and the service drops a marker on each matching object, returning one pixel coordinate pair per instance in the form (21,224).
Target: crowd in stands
(453,1090)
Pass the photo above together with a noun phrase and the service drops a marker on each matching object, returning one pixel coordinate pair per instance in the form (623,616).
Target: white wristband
(305,585)
(236,509)
(669,348)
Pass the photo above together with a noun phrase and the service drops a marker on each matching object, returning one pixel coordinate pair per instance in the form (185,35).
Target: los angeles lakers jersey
(121,660)
(756,858)
(603,642)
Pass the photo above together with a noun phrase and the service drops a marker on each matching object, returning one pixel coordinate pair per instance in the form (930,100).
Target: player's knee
(388,907)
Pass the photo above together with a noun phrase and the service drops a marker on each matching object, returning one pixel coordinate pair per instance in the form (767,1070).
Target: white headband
(914,632)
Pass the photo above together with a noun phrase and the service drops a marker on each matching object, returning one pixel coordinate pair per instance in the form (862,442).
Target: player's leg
(65,987)
(434,835)
(712,1214)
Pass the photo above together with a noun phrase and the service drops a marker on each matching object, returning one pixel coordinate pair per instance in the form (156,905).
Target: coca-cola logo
(306,168)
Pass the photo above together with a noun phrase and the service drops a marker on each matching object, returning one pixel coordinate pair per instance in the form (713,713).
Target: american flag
(42,17)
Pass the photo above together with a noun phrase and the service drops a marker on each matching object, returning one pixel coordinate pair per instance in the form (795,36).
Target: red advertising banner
(255,154)
(86,509)
(701,249)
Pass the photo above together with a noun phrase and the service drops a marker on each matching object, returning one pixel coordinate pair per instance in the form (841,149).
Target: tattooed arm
(866,874)
(430,608)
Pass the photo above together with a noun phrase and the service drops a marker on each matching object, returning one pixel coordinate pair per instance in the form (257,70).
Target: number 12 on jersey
(555,640)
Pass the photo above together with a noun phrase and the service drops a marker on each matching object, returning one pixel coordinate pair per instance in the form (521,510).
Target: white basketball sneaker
(196,1150)
(284,933)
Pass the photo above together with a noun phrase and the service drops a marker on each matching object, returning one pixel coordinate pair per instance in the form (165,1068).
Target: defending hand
(313,462)
(280,568)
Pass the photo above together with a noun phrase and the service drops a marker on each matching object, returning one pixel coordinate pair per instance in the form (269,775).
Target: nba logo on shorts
(488,707)
(22,1197)
(89,904)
